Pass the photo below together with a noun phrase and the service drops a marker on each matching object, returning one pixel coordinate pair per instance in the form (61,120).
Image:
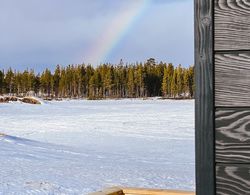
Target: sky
(40,34)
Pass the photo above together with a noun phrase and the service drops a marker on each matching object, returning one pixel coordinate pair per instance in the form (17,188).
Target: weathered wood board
(232,179)
(232,79)
(232,135)
(204,111)
(232,24)
(140,191)
(144,191)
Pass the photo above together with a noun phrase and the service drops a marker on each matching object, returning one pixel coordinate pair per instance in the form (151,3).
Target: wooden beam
(109,191)
(142,191)
(204,104)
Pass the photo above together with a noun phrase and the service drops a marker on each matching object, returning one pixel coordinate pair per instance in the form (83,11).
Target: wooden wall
(232,96)
(222,27)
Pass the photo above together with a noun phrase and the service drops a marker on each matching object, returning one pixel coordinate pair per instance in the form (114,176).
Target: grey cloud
(43,32)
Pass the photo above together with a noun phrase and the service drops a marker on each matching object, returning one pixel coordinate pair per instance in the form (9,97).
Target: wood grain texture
(233,135)
(140,191)
(144,191)
(232,179)
(232,79)
(204,104)
(232,24)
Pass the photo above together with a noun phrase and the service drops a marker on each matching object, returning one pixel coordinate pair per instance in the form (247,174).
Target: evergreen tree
(170,73)
(62,84)
(165,83)
(9,81)
(45,81)
(131,84)
(174,84)
(180,81)
(1,82)
(56,78)
(191,85)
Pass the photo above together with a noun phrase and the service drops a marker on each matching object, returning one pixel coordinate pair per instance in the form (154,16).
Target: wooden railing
(140,191)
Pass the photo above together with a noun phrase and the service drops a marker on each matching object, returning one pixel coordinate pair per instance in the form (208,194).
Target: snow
(81,146)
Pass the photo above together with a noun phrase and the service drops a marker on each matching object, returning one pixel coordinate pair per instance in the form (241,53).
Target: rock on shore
(29,100)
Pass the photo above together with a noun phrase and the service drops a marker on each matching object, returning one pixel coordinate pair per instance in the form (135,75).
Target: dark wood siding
(204,104)
(232,79)
(232,24)
(233,135)
(223,96)
(232,96)
(233,179)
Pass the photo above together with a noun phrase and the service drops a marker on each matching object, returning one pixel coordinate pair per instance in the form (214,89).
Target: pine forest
(139,80)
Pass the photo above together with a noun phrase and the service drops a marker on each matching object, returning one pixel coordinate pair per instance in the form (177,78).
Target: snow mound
(15,140)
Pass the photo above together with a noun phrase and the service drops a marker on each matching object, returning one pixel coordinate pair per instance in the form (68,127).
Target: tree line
(142,80)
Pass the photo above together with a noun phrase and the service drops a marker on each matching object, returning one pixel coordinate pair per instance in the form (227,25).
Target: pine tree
(45,80)
(140,81)
(9,81)
(1,82)
(174,84)
(170,73)
(108,82)
(191,85)
(131,84)
(62,84)
(31,80)
(18,83)
(180,81)
(165,83)
(56,78)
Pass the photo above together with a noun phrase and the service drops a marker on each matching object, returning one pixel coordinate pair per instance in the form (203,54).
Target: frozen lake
(80,146)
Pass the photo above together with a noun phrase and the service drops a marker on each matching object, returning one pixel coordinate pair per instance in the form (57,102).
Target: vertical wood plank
(204,104)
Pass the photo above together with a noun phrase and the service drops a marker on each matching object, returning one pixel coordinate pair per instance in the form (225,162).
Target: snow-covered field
(80,146)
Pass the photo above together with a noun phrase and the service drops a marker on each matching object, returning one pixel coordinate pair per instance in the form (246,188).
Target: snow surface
(81,146)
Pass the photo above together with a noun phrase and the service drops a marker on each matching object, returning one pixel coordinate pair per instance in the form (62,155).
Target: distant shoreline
(37,100)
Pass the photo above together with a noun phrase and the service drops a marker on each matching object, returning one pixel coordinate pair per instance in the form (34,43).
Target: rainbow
(102,48)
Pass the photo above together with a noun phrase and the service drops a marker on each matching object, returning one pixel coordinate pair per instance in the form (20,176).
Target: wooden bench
(140,191)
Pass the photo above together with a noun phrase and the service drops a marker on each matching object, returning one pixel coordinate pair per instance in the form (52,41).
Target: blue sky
(42,33)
